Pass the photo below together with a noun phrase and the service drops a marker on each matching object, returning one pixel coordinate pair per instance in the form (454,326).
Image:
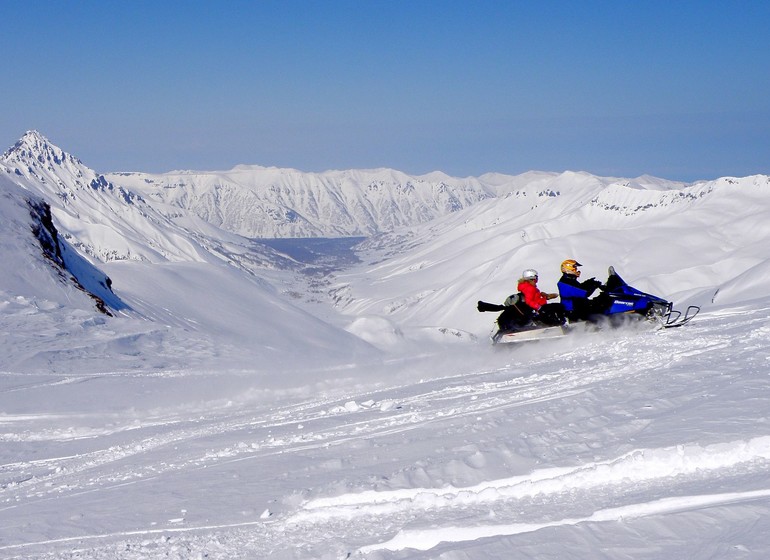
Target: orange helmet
(570,267)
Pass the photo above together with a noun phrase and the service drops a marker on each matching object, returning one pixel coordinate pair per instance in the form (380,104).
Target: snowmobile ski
(528,335)
(674,318)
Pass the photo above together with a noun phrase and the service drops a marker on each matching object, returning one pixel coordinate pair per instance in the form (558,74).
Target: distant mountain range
(458,227)
(266,202)
(139,216)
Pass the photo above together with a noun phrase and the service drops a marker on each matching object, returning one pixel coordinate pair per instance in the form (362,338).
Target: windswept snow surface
(651,444)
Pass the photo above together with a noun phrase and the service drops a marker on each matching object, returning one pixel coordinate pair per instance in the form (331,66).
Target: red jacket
(532,296)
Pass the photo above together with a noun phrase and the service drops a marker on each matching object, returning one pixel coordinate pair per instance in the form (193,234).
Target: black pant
(582,309)
(513,316)
(552,314)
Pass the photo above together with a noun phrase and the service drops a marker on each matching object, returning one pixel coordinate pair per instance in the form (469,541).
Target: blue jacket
(570,289)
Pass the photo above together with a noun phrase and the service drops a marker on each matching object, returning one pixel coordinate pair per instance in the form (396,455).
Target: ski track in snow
(425,539)
(412,411)
(419,518)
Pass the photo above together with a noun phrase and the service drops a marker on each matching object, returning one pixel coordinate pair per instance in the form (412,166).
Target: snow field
(651,430)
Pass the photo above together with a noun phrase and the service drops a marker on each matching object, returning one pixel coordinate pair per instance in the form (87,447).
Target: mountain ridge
(264,202)
(271,202)
(422,261)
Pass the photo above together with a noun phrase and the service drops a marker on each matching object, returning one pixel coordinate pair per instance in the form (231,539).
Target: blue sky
(676,89)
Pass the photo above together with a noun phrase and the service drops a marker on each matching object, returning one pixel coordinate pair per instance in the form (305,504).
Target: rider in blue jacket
(574,294)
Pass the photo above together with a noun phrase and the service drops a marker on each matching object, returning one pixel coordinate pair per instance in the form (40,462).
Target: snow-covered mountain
(109,222)
(698,244)
(267,202)
(104,220)
(264,202)
(246,400)
(163,279)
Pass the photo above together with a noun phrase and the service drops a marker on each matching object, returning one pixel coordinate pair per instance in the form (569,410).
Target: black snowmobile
(620,305)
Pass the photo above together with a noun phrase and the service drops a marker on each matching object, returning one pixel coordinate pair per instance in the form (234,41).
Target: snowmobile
(620,304)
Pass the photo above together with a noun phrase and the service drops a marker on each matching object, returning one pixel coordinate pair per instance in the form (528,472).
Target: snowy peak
(101,219)
(34,145)
(50,170)
(34,153)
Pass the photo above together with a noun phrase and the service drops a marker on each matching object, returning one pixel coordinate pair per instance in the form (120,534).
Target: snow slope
(637,445)
(29,270)
(240,404)
(696,244)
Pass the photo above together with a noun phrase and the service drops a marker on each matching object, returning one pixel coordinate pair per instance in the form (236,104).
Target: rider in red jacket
(532,294)
(549,313)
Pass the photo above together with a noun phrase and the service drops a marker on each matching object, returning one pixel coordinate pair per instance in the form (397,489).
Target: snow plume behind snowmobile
(624,303)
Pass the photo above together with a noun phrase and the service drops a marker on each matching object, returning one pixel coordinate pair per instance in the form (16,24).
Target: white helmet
(529,274)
